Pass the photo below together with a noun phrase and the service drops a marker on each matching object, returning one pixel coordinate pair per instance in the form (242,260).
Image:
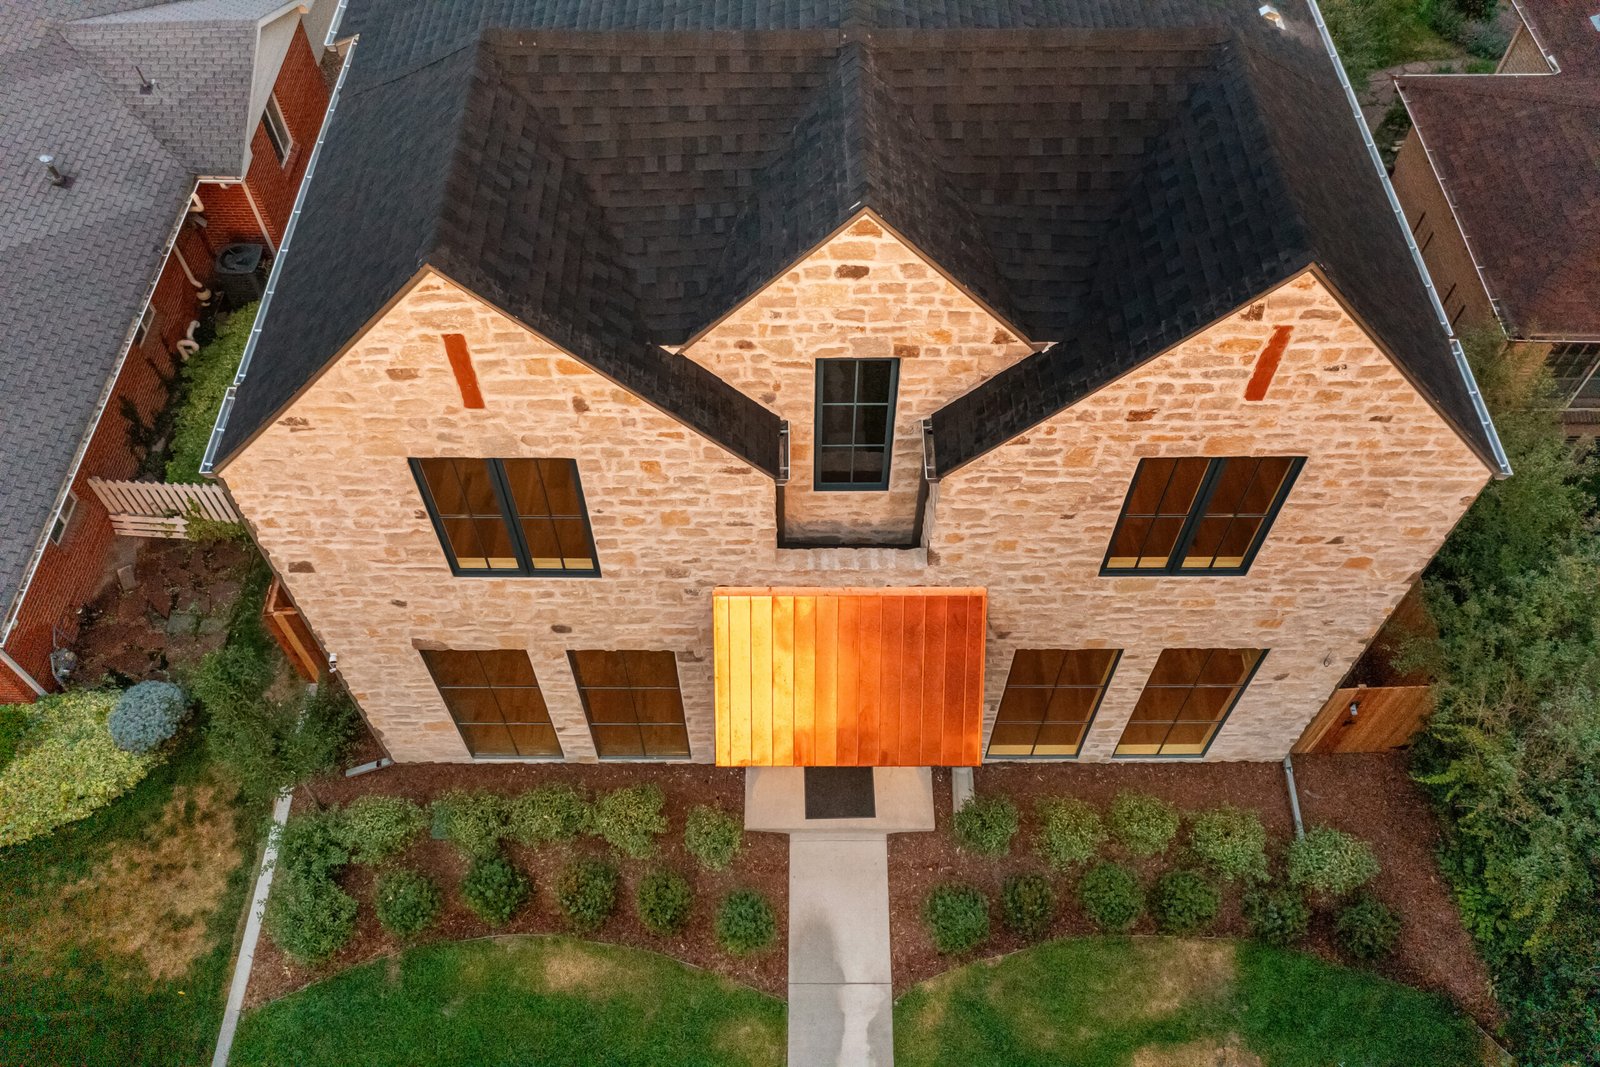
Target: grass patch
(1116,1002)
(502,1001)
(1373,34)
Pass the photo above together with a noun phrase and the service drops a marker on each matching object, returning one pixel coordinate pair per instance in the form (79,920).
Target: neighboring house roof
(1106,178)
(1518,156)
(76,264)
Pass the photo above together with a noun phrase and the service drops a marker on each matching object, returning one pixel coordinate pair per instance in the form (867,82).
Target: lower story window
(495,701)
(1050,700)
(1189,694)
(633,703)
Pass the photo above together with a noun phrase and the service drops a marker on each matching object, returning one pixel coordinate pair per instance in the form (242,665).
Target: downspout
(1497,450)
(1294,797)
(208,462)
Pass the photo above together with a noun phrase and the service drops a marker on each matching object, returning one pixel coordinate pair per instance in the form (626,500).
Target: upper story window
(855,423)
(509,516)
(58,529)
(1198,516)
(495,700)
(633,703)
(1050,700)
(1573,366)
(1185,700)
(277,130)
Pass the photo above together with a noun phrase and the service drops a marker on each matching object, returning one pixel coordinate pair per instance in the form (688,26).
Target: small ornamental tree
(147,715)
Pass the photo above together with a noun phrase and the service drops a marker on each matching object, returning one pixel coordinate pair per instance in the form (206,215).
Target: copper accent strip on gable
(455,346)
(1267,363)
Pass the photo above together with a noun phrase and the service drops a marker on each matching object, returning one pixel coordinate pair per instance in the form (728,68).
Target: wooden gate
(289,629)
(1367,719)
(157,509)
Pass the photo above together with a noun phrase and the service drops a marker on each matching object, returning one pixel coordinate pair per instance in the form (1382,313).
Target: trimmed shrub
(65,765)
(1028,905)
(957,917)
(1277,915)
(1111,897)
(1143,824)
(1184,902)
(586,890)
(1231,842)
(14,724)
(986,825)
(556,812)
(1367,928)
(378,828)
(1331,862)
(630,818)
(309,917)
(473,822)
(494,889)
(407,902)
(202,383)
(745,922)
(712,836)
(1070,832)
(312,844)
(147,715)
(663,899)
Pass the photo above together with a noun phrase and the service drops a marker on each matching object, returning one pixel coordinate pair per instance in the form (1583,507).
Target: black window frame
(1215,465)
(1100,699)
(560,752)
(882,484)
(638,723)
(1220,721)
(510,517)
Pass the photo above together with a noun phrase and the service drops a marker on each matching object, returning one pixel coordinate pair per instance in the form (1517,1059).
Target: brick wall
(1433,225)
(302,96)
(332,503)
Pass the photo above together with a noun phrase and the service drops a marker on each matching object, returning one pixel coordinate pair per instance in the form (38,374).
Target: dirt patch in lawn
(1371,796)
(763,864)
(151,898)
(1183,972)
(1207,1052)
(579,969)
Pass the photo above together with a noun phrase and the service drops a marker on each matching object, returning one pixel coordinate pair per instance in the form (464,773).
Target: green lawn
(1149,1002)
(1373,34)
(521,1000)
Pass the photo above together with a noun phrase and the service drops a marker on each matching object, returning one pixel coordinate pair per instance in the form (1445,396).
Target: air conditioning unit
(241,272)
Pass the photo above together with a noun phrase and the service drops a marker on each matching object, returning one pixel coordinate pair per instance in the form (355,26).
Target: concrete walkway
(841,999)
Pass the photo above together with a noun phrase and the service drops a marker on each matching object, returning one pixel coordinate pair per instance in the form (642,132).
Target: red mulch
(762,864)
(1367,795)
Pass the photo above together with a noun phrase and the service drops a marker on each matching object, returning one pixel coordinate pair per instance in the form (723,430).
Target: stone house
(840,386)
(1500,181)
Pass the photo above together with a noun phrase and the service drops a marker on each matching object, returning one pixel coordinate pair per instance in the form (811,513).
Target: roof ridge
(1551,88)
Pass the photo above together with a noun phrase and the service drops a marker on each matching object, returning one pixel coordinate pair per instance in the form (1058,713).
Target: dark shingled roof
(1108,176)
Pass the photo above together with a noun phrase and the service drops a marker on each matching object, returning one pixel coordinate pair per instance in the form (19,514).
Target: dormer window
(509,517)
(855,423)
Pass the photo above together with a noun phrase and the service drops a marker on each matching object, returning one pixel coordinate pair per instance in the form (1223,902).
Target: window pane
(1126,542)
(477,488)
(506,666)
(1187,474)
(1059,739)
(1236,542)
(835,464)
(1072,705)
(1142,739)
(1206,542)
(1206,703)
(1188,739)
(472,705)
(659,705)
(872,425)
(874,386)
(1233,478)
(1229,666)
(525,705)
(1088,666)
(440,476)
(488,741)
(462,537)
(527,488)
(1165,496)
(614,742)
(573,535)
(535,740)
(1178,666)
(453,668)
(838,381)
(611,705)
(598,668)
(651,668)
(869,465)
(1024,705)
(497,548)
(1160,703)
(544,548)
(1012,739)
(1160,542)
(1269,479)
(561,486)
(837,425)
(1035,666)
(665,742)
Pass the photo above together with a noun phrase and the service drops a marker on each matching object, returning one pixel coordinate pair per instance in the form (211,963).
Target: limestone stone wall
(327,490)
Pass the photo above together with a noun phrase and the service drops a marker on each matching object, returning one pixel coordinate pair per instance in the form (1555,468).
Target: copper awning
(849,677)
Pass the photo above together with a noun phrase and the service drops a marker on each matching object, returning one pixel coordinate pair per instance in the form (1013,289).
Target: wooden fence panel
(1386,718)
(157,509)
(289,629)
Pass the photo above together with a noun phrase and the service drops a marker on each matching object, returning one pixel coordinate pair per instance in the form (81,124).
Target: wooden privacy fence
(1385,717)
(289,629)
(157,509)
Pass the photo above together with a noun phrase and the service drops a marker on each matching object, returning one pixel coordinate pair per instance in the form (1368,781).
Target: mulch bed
(1368,795)
(762,864)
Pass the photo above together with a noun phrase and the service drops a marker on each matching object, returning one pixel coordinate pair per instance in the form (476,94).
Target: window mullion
(508,514)
(1155,516)
(1202,498)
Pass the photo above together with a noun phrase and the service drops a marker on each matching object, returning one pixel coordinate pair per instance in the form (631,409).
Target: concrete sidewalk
(840,995)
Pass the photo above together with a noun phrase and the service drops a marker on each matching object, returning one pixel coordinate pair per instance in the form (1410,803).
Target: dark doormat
(839,793)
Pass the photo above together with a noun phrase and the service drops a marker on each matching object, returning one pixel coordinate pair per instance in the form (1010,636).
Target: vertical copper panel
(847,661)
(825,713)
(761,681)
(741,680)
(806,682)
(1267,363)
(783,670)
(455,348)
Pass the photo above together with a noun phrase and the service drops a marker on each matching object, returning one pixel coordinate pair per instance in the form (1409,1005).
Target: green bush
(14,723)
(1070,832)
(629,819)
(1111,897)
(377,828)
(556,812)
(313,844)
(494,889)
(957,917)
(745,922)
(1231,842)
(1277,915)
(202,382)
(1143,824)
(712,836)
(586,890)
(407,902)
(1367,928)
(66,765)
(309,917)
(1331,862)
(986,825)
(1028,905)
(473,822)
(663,899)
(1184,902)
(147,715)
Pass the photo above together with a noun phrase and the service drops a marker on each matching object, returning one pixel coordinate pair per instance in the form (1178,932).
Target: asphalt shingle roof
(1108,176)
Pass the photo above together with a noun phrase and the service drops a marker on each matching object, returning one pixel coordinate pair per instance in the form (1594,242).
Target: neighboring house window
(1198,516)
(495,701)
(1189,694)
(509,516)
(855,422)
(633,703)
(277,130)
(146,321)
(1573,365)
(1050,700)
(58,529)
